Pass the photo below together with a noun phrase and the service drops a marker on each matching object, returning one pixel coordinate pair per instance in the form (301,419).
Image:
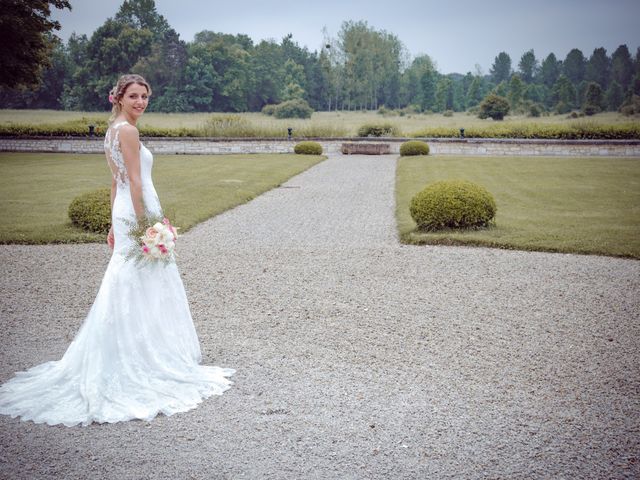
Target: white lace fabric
(114,153)
(137,353)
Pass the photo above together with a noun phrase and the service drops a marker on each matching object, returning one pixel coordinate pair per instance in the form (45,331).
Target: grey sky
(456,34)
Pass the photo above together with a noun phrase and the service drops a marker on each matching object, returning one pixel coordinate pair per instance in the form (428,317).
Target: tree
(164,65)
(550,70)
(427,90)
(528,67)
(371,62)
(516,91)
(614,96)
(574,66)
(563,95)
(494,106)
(598,67)
(27,40)
(200,81)
(593,99)
(501,68)
(294,78)
(475,94)
(142,14)
(418,83)
(622,67)
(444,95)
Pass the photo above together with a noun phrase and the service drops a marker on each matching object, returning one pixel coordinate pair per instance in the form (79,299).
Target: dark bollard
(289,132)
(91,130)
(462,133)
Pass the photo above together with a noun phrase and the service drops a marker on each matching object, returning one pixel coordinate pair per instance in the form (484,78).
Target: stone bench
(359,148)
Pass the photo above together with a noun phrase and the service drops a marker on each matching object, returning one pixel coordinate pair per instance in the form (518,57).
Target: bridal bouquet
(154,243)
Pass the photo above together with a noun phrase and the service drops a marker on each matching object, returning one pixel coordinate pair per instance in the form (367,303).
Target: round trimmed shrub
(92,211)
(414,147)
(452,204)
(308,148)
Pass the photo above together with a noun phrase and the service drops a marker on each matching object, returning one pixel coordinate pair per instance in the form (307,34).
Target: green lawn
(36,188)
(577,205)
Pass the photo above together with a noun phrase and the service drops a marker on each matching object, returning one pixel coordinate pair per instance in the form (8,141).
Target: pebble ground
(356,357)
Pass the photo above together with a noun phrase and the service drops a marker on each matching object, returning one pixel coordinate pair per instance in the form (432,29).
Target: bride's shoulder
(128,133)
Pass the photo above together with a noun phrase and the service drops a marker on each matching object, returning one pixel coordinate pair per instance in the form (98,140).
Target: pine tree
(550,70)
(599,67)
(622,66)
(501,68)
(614,96)
(575,66)
(528,67)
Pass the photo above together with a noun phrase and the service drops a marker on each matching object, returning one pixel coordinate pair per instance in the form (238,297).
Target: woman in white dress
(137,353)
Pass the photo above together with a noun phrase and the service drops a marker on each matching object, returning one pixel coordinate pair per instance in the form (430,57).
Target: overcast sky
(457,34)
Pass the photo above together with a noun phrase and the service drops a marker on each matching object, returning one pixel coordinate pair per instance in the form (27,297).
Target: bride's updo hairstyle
(117,92)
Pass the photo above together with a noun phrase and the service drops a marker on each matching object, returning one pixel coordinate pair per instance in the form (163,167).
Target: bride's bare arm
(130,146)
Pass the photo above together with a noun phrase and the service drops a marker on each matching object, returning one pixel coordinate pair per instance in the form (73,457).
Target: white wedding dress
(137,353)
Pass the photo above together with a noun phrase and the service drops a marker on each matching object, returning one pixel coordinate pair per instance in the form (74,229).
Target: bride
(137,352)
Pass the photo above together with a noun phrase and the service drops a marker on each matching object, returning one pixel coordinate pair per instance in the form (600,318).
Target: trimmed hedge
(414,147)
(452,204)
(92,211)
(580,130)
(308,148)
(77,129)
(577,130)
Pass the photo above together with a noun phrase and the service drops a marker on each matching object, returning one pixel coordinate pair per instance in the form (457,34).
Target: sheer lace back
(114,154)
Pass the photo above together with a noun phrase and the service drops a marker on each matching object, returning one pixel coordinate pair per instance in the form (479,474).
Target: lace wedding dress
(137,353)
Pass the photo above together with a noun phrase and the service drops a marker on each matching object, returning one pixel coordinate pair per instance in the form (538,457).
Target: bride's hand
(111,239)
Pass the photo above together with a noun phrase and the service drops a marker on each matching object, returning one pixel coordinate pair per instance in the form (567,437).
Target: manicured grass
(36,188)
(324,124)
(573,205)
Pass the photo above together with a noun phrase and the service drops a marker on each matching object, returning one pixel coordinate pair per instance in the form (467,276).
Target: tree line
(360,69)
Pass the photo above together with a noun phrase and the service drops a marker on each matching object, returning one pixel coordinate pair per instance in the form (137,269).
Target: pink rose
(151,233)
(110,98)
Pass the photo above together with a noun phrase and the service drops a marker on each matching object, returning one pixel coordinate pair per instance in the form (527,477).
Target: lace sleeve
(114,156)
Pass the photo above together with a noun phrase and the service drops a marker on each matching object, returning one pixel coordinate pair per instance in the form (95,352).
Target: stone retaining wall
(438,146)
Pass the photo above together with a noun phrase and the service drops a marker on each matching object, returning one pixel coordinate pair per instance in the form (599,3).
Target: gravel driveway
(356,357)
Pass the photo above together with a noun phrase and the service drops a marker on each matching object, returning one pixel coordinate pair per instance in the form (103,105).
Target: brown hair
(117,92)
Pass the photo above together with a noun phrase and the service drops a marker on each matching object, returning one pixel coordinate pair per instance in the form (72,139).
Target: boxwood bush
(452,204)
(308,148)
(91,211)
(414,147)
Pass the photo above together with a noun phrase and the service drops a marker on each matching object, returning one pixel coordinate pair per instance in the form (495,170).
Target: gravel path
(357,357)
